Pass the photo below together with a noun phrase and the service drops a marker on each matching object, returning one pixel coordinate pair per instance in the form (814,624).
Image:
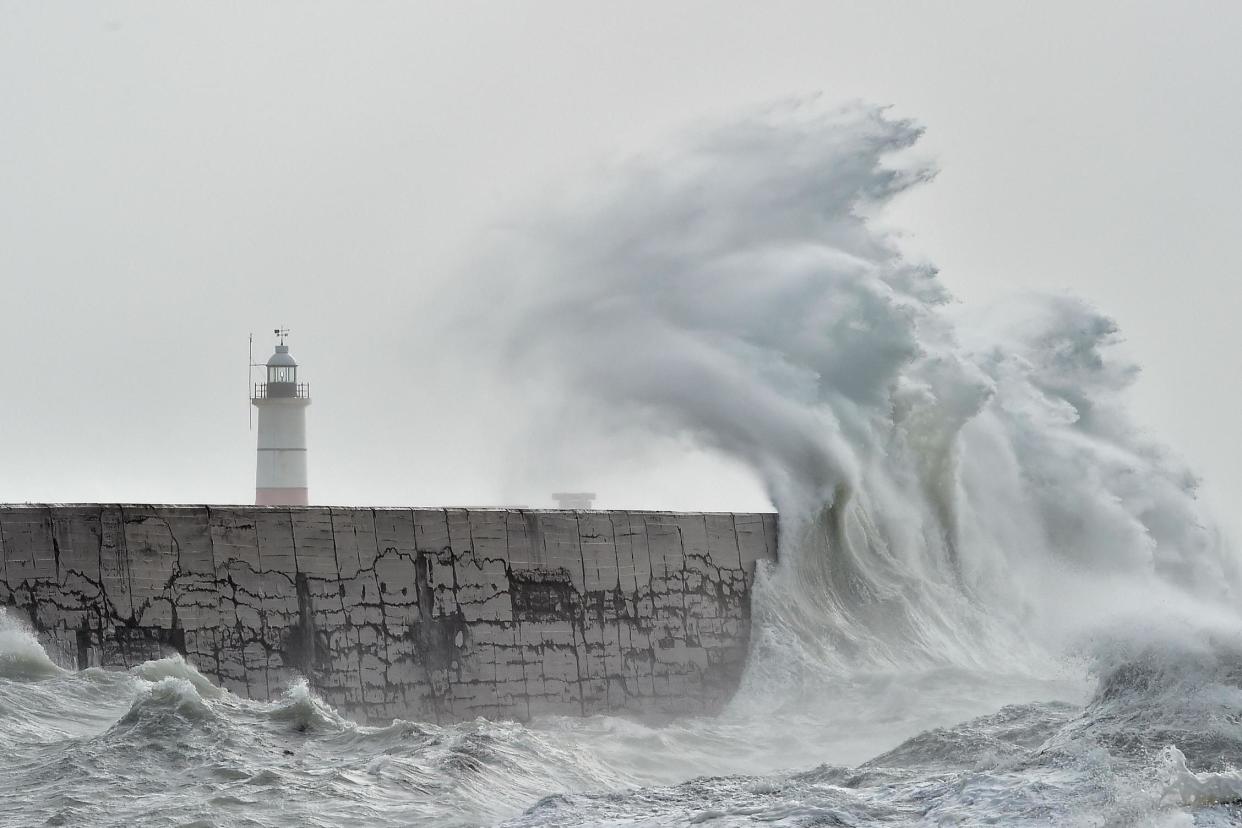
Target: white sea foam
(1185,787)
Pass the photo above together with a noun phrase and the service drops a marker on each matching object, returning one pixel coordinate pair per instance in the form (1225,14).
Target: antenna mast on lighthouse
(280,472)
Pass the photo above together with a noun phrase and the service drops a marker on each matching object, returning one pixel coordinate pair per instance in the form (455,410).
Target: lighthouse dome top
(282,377)
(282,358)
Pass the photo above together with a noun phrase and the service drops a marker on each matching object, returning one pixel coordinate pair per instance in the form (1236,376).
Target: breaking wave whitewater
(956,486)
(998,601)
(1157,744)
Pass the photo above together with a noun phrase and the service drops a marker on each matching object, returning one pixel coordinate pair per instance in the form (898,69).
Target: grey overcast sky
(175,175)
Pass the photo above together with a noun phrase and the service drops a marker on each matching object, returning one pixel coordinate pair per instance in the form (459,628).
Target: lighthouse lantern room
(280,478)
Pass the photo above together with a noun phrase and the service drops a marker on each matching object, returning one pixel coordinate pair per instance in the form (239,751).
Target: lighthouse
(280,478)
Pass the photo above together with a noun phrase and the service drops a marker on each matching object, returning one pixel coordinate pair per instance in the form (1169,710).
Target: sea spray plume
(1093,518)
(729,290)
(954,488)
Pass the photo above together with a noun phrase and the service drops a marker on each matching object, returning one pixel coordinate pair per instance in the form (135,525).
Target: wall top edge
(527,509)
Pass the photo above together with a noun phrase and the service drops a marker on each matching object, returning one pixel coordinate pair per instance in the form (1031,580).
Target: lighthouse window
(280,374)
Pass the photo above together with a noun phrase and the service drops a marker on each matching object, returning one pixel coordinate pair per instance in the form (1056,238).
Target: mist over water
(997,598)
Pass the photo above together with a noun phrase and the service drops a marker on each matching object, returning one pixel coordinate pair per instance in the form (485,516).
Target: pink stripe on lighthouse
(280,497)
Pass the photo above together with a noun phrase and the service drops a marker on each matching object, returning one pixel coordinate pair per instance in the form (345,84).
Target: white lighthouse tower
(280,479)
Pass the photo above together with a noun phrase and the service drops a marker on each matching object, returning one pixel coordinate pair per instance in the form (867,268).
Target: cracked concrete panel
(558,544)
(233,536)
(235,552)
(78,594)
(523,544)
(194,586)
(152,553)
(353,537)
(598,551)
(489,534)
(437,614)
(667,562)
(558,686)
(277,549)
(460,636)
(279,610)
(693,530)
(623,549)
(663,546)
(698,576)
(483,574)
(480,578)
(770,537)
(752,538)
(435,551)
(633,545)
(393,570)
(637,665)
(402,591)
(314,545)
(325,645)
(722,543)
(114,560)
(29,554)
(5,591)
(194,590)
(604,607)
(76,532)
(510,674)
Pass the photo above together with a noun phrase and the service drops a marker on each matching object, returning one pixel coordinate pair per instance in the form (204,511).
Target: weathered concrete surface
(439,614)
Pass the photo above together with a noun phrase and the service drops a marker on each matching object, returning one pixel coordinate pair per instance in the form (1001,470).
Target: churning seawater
(998,600)
(160,745)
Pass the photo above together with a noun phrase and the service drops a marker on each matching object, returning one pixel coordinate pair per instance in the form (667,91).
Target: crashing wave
(176,667)
(963,496)
(955,487)
(22,658)
(301,709)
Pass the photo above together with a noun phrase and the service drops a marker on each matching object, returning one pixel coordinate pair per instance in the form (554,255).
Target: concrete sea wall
(434,614)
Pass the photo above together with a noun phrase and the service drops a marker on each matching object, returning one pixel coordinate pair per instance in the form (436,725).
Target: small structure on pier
(573,500)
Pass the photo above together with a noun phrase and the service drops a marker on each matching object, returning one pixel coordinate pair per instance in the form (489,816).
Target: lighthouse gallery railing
(284,390)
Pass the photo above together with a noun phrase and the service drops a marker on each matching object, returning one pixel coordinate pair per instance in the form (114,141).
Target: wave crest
(166,697)
(302,710)
(176,667)
(22,657)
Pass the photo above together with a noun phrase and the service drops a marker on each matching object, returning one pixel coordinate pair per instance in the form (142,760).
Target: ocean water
(999,601)
(1155,743)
